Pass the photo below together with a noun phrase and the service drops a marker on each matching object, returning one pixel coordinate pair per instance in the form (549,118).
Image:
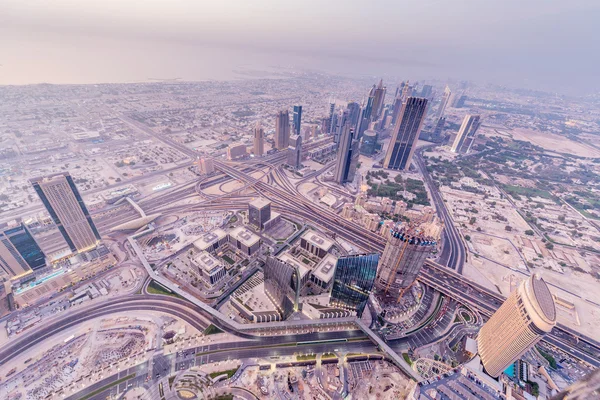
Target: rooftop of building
(47,178)
(325,269)
(303,269)
(260,203)
(244,236)
(318,240)
(544,297)
(209,238)
(207,262)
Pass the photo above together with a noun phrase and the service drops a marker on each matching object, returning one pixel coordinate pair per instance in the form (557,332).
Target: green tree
(529,232)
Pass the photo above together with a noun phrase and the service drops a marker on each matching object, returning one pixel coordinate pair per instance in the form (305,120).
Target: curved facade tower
(282,285)
(520,322)
(405,253)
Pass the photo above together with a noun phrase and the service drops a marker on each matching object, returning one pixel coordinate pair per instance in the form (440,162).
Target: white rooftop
(260,203)
(244,236)
(318,240)
(325,269)
(303,269)
(207,262)
(209,238)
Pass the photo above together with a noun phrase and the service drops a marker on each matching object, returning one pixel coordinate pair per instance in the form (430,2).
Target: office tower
(282,285)
(353,281)
(378,100)
(259,140)
(326,125)
(294,156)
(396,107)
(297,120)
(206,166)
(444,102)
(331,117)
(67,209)
(407,91)
(236,151)
(259,212)
(353,109)
(405,253)
(282,130)
(406,133)
(368,145)
(521,321)
(341,121)
(19,252)
(427,91)
(466,134)
(439,128)
(346,156)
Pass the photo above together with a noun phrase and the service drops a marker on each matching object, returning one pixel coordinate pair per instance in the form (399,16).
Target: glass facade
(282,285)
(353,281)
(27,247)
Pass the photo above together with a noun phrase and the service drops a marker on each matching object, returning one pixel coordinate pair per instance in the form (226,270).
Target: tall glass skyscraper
(406,133)
(68,211)
(19,252)
(353,281)
(297,121)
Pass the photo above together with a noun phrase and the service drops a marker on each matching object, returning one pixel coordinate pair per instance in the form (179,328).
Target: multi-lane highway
(453,253)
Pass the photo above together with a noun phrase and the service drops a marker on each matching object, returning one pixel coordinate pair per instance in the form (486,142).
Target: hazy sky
(533,43)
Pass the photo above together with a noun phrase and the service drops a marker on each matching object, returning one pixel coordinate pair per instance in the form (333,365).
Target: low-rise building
(243,239)
(316,243)
(209,267)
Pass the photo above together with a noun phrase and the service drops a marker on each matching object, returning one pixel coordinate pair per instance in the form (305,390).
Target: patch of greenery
(229,372)
(106,387)
(306,357)
(407,358)
(156,288)
(228,259)
(211,330)
(548,357)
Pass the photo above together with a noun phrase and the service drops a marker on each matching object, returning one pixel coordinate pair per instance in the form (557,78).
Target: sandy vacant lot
(554,142)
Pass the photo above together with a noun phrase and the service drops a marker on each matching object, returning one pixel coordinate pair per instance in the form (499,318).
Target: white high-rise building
(521,321)
(466,134)
(259,140)
(444,102)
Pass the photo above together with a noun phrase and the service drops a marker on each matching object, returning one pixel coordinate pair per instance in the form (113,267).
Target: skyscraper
(426,91)
(353,281)
(444,102)
(466,134)
(368,145)
(405,253)
(206,165)
(282,285)
(346,156)
(19,252)
(378,100)
(439,128)
(406,133)
(342,121)
(331,116)
(297,121)
(282,130)
(259,140)
(294,156)
(68,211)
(259,212)
(353,114)
(521,321)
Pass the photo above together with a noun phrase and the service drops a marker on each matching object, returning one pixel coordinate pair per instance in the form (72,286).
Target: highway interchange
(287,199)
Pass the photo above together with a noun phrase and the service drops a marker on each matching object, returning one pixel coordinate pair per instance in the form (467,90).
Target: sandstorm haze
(548,45)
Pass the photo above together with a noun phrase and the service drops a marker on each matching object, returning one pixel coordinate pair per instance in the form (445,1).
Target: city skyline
(186,26)
(349,210)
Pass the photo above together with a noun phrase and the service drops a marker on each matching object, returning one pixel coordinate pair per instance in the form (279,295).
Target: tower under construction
(408,247)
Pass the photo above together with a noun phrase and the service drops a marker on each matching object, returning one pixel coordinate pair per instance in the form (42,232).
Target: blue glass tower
(353,281)
(297,119)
